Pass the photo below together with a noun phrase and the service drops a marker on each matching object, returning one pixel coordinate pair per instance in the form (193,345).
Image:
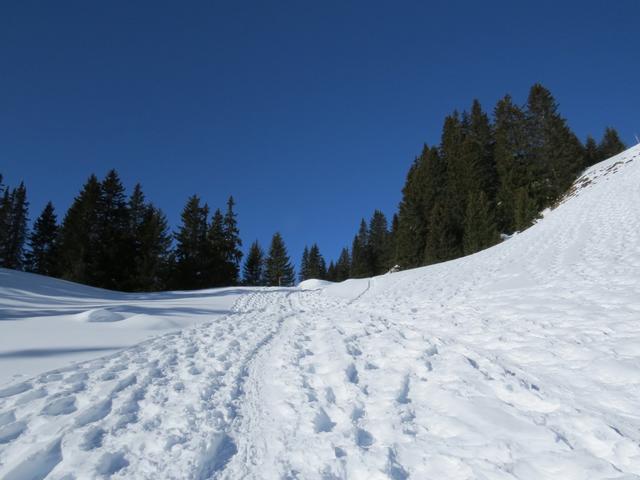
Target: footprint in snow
(60,406)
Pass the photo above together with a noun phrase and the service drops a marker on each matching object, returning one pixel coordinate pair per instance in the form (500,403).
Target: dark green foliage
(278,268)
(313,264)
(253,271)
(343,266)
(79,235)
(442,238)
(591,153)
(150,241)
(42,254)
(379,246)
(231,253)
(610,144)
(14,210)
(479,225)
(193,248)
(360,254)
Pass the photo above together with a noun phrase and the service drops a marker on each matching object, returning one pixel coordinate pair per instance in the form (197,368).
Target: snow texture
(518,362)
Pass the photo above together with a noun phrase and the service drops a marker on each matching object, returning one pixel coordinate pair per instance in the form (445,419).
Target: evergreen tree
(41,257)
(591,153)
(278,269)
(459,179)
(193,258)
(379,244)
(232,254)
(525,209)
(610,144)
(253,272)
(315,266)
(477,153)
(218,270)
(479,226)
(360,253)
(331,272)
(303,274)
(510,152)
(554,152)
(79,235)
(114,256)
(343,266)
(15,209)
(441,238)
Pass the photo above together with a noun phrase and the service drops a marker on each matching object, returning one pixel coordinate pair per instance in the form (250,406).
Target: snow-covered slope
(522,361)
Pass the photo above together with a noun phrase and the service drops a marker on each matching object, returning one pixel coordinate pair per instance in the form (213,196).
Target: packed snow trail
(519,362)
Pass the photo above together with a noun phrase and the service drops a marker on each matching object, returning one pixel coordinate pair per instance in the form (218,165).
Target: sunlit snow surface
(522,361)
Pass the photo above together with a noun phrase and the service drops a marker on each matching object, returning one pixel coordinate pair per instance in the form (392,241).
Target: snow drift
(520,361)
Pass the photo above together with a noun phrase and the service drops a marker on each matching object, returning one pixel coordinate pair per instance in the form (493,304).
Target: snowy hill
(521,361)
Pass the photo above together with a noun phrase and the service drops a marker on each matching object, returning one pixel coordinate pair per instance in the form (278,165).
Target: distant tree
(218,271)
(232,254)
(331,272)
(303,274)
(343,266)
(610,144)
(315,265)
(14,210)
(42,255)
(441,238)
(253,272)
(591,153)
(193,259)
(278,268)
(379,245)
(360,253)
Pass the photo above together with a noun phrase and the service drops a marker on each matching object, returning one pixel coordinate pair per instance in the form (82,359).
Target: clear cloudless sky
(308,113)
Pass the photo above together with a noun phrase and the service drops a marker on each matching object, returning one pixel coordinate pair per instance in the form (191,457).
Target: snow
(520,361)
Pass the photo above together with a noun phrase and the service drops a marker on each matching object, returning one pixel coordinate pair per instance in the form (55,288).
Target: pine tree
(479,226)
(315,264)
(232,252)
(79,235)
(379,244)
(114,256)
(360,253)
(193,259)
(554,152)
(459,178)
(343,266)
(477,153)
(591,153)
(441,238)
(331,272)
(15,210)
(610,144)
(217,271)
(303,274)
(278,269)
(525,209)
(42,255)
(253,272)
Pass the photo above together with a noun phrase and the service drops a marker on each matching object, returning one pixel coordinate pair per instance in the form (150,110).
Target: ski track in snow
(521,361)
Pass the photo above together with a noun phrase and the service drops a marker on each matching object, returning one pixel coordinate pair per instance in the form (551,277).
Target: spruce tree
(192,252)
(303,274)
(114,256)
(379,244)
(42,255)
(218,270)
(278,268)
(591,153)
(79,235)
(610,144)
(316,266)
(343,266)
(253,271)
(232,254)
(15,210)
(479,226)
(360,253)
(441,238)
(331,272)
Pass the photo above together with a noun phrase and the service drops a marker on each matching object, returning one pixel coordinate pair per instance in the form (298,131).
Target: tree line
(486,177)
(110,240)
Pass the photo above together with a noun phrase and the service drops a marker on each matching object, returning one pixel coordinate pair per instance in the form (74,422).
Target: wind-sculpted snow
(519,362)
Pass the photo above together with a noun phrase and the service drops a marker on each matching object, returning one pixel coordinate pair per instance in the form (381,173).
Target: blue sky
(309,113)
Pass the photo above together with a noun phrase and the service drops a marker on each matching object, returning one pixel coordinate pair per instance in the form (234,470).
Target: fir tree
(79,235)
(479,226)
(343,266)
(114,256)
(303,274)
(42,255)
(218,270)
(193,259)
(278,268)
(253,271)
(610,144)
(232,254)
(360,253)
(316,266)
(441,238)
(591,153)
(15,209)
(379,244)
